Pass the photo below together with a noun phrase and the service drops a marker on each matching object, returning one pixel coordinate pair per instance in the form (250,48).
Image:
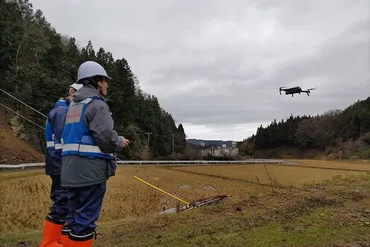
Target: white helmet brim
(90,69)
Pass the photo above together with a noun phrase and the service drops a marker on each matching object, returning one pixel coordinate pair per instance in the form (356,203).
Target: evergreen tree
(37,64)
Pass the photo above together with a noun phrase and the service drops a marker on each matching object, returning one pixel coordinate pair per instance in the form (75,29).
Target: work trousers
(59,196)
(85,204)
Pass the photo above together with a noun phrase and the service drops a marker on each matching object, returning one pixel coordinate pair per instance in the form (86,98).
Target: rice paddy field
(315,203)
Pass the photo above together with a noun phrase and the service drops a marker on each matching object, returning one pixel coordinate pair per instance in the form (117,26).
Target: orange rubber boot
(85,243)
(65,236)
(66,241)
(51,236)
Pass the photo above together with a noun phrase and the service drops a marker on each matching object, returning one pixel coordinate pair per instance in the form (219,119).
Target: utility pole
(173,145)
(148,134)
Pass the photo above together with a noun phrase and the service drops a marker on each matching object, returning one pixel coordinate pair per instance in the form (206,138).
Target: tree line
(37,64)
(340,134)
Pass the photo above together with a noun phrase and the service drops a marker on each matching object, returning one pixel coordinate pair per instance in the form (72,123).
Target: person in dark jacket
(58,211)
(88,156)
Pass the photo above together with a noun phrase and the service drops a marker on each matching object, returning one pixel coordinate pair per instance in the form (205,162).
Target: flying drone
(294,90)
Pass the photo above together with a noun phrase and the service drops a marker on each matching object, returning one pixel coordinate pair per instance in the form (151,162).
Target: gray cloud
(216,66)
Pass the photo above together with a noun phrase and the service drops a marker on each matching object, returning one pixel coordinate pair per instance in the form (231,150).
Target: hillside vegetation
(37,64)
(334,134)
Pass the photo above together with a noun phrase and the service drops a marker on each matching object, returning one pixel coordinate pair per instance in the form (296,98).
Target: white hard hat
(76,86)
(90,69)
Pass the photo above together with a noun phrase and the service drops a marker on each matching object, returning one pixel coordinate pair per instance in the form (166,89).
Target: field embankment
(14,149)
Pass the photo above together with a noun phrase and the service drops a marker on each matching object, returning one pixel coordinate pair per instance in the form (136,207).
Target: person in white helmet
(89,146)
(59,209)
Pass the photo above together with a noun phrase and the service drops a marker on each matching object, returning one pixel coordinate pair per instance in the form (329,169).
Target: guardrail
(163,162)
(199,162)
(22,166)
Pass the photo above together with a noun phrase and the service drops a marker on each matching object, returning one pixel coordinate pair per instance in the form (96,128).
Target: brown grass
(363,165)
(267,174)
(25,199)
(331,213)
(25,196)
(127,196)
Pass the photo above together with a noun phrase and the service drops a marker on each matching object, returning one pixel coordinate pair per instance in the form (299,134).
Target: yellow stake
(162,190)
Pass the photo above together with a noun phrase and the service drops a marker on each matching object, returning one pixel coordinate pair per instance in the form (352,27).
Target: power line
(23,103)
(22,116)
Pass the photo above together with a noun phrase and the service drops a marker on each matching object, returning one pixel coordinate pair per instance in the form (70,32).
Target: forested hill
(37,63)
(337,134)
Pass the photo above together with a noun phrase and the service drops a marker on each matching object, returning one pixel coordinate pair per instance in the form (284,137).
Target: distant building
(220,151)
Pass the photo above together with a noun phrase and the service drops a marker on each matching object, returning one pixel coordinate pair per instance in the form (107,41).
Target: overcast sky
(225,60)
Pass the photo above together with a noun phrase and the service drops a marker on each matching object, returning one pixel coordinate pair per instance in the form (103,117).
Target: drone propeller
(311,89)
(280,89)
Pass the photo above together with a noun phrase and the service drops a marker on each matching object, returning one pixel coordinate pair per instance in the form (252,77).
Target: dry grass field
(361,165)
(268,174)
(298,204)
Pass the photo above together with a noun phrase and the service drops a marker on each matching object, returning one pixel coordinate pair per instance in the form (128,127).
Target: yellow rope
(162,190)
